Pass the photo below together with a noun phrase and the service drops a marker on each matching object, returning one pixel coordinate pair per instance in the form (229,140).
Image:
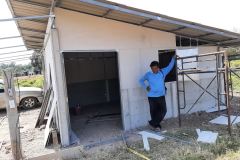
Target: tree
(233,51)
(36,61)
(18,69)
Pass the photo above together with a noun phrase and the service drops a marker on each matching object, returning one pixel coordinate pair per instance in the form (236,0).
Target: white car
(26,97)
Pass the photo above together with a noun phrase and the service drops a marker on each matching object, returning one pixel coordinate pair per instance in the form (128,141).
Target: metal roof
(33,31)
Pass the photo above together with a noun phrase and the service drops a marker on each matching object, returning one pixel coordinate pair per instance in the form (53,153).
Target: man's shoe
(152,127)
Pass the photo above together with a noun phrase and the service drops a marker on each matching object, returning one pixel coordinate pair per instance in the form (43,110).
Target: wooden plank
(44,106)
(48,125)
(12,114)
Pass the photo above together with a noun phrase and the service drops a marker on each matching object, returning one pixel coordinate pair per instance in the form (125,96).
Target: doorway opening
(93,95)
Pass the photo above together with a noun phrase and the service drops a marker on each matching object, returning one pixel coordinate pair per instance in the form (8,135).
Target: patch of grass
(195,156)
(183,134)
(230,156)
(31,81)
(235,79)
(225,144)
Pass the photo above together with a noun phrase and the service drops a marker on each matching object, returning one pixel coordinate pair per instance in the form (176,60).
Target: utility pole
(12,114)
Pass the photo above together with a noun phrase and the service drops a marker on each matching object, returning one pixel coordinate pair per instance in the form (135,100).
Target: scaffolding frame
(223,75)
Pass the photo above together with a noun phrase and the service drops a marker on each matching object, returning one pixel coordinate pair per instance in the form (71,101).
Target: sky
(224,14)
(8,29)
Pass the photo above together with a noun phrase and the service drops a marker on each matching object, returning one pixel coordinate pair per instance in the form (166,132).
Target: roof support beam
(14,52)
(3,38)
(27,36)
(204,35)
(17,56)
(12,46)
(230,41)
(177,29)
(34,46)
(31,41)
(145,22)
(14,60)
(32,30)
(32,3)
(39,22)
(159,18)
(108,11)
(27,18)
(34,37)
(53,5)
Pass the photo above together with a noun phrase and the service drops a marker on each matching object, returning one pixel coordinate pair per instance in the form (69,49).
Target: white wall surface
(136,47)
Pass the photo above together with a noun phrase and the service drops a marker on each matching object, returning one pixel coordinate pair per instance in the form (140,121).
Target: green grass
(31,81)
(235,79)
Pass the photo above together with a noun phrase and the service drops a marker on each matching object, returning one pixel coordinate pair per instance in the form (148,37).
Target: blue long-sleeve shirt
(156,80)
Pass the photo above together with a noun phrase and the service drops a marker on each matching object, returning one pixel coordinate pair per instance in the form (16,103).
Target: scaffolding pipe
(178,99)
(20,56)
(226,62)
(218,81)
(14,60)
(184,95)
(201,95)
(14,52)
(12,47)
(3,38)
(202,55)
(26,18)
(220,69)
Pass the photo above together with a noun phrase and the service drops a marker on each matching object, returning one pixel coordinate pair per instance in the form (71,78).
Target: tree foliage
(233,51)
(18,69)
(36,61)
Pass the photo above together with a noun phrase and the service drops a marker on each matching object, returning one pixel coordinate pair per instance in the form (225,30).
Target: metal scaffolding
(222,73)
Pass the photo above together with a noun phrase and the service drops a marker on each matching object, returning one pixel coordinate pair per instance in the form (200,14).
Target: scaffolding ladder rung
(181,91)
(222,93)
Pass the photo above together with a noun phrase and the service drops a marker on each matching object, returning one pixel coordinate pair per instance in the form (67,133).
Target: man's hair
(154,63)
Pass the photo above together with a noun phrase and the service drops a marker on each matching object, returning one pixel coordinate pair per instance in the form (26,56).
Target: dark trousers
(158,110)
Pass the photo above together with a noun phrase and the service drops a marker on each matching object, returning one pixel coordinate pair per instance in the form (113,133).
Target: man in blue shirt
(156,91)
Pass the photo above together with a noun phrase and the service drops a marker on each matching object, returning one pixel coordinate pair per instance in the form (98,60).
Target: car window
(1,88)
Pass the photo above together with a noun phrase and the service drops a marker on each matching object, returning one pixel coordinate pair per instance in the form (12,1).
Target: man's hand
(148,88)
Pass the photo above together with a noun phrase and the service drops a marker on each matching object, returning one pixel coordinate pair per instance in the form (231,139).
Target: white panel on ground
(206,136)
(224,120)
(146,135)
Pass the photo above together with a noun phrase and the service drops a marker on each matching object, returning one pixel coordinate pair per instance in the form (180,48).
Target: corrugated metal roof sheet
(33,31)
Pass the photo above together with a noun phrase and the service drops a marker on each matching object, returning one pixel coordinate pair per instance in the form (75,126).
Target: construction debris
(146,135)
(223,120)
(132,150)
(45,105)
(206,136)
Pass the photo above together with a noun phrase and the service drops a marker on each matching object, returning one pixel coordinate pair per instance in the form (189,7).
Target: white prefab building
(94,54)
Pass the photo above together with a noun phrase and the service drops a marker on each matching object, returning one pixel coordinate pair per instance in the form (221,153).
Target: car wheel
(29,102)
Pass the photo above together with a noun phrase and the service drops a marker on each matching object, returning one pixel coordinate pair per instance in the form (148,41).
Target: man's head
(154,66)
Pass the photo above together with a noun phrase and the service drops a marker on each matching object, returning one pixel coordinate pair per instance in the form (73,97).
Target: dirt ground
(179,144)
(31,137)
